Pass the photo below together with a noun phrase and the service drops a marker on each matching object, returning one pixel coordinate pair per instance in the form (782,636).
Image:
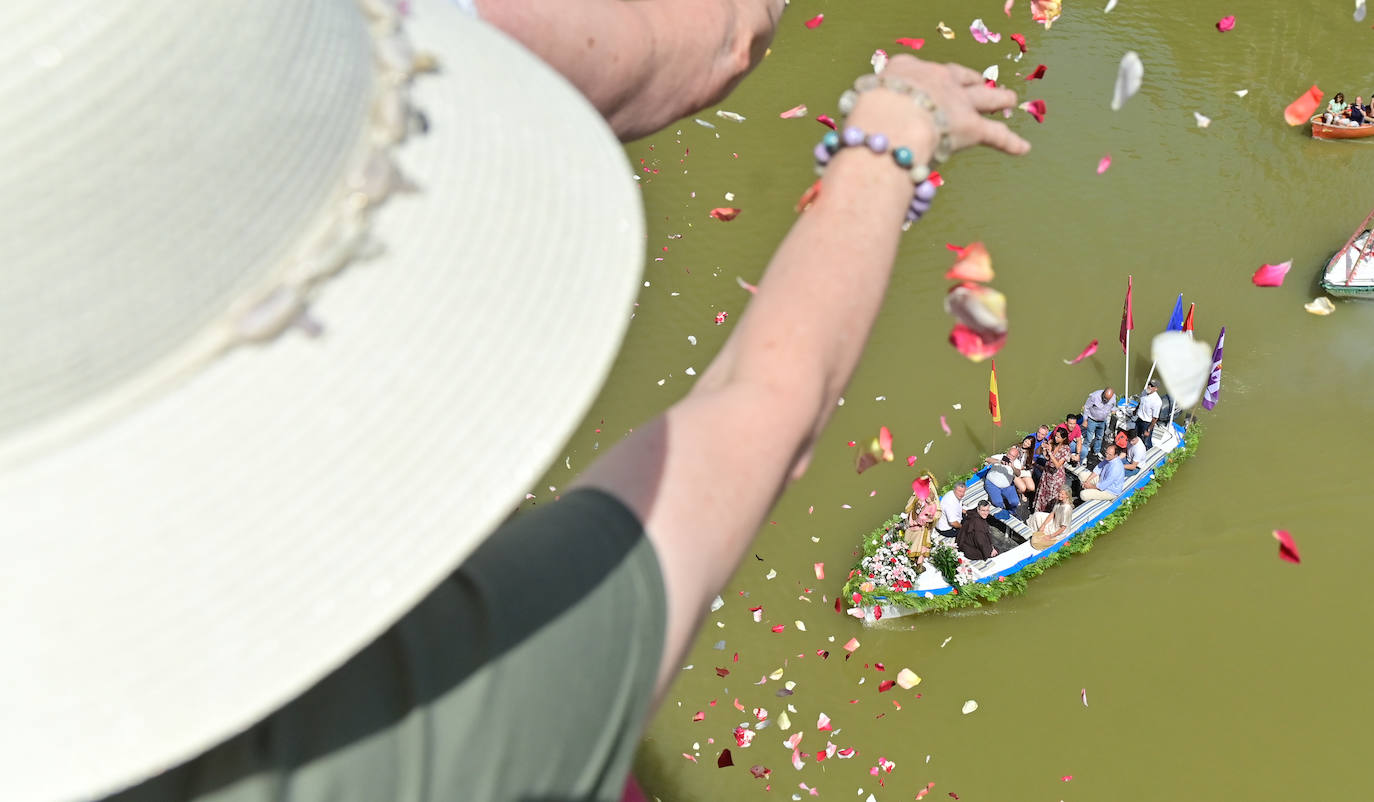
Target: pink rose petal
(910,461)
(1086,352)
(1226,23)
(826,120)
(823,723)
(1272,275)
(1103,163)
(819,569)
(794,112)
(1288,550)
(921,487)
(724,213)
(944,424)
(815,22)
(914,44)
(851,645)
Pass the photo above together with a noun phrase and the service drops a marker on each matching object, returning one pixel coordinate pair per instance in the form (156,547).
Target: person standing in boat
(1052,478)
(1097,411)
(1147,413)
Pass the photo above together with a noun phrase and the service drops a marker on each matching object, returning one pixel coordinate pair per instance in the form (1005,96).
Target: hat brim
(201,561)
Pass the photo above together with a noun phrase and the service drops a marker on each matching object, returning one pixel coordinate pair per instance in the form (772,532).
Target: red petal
(921,487)
(760,772)
(1288,550)
(1035,108)
(1039,73)
(910,461)
(972,345)
(838,608)
(914,44)
(724,213)
(936,179)
(1020,41)
(1271,275)
(1304,107)
(877,613)
(1226,23)
(699,716)
(724,759)
(857,597)
(779,627)
(809,196)
(825,119)
(1084,354)
(815,22)
(722,672)
(886,685)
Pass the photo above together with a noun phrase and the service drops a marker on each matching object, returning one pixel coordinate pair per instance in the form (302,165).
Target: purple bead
(853,136)
(911,216)
(877,143)
(920,206)
(822,155)
(925,191)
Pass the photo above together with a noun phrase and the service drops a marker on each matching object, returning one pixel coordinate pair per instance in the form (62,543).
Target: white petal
(1128,77)
(1184,365)
(970,706)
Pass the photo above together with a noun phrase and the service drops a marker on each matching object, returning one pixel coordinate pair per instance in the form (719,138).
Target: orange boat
(1321,130)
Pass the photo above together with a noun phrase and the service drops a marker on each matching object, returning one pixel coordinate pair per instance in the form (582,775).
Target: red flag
(1127,318)
(994,408)
(1188,321)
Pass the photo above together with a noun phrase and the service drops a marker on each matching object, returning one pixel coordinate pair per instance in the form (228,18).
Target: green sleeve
(527,674)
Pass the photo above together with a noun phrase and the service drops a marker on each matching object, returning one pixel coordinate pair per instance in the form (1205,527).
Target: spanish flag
(993,407)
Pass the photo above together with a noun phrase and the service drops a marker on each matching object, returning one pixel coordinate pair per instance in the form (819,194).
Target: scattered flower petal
(730,115)
(1184,365)
(910,461)
(914,44)
(1020,41)
(1320,306)
(908,679)
(944,30)
(1067,777)
(1083,692)
(808,197)
(1272,275)
(1302,109)
(1111,4)
(819,568)
(815,22)
(928,445)
(720,318)
(991,74)
(851,645)
(823,722)
(1037,74)
(1359,10)
(974,264)
(1242,92)
(826,120)
(1288,550)
(1128,77)
(1084,354)
(1046,11)
(1035,108)
(1202,121)
(724,213)
(746,285)
(970,706)
(700,715)
(760,772)
(1226,23)
(724,759)
(1103,163)
(878,60)
(794,112)
(944,425)
(886,685)
(981,34)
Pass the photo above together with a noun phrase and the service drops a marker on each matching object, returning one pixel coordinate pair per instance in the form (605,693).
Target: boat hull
(1350,272)
(1321,130)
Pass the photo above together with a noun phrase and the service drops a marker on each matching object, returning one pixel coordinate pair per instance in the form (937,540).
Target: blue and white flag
(1212,394)
(1176,319)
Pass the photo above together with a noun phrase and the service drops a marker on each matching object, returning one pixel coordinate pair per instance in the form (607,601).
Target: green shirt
(1336,107)
(527,674)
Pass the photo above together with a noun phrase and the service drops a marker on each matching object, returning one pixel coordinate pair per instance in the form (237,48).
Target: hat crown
(162,158)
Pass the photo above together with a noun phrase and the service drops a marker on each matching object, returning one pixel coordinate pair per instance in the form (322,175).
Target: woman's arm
(646,63)
(700,477)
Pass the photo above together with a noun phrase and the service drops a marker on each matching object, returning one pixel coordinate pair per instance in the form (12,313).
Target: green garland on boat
(975,594)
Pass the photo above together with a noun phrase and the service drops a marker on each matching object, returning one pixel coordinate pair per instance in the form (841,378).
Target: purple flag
(1212,394)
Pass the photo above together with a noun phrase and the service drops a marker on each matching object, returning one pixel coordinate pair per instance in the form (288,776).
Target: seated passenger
(1356,111)
(1050,527)
(1072,422)
(1000,478)
(1135,455)
(1335,108)
(1106,480)
(1021,465)
(979,541)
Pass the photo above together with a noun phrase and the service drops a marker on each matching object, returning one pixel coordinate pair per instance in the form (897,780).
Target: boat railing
(1364,250)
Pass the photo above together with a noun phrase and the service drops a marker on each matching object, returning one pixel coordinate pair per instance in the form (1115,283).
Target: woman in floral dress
(1052,478)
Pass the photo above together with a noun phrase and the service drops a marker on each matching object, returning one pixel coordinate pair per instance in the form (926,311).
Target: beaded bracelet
(853,137)
(944,145)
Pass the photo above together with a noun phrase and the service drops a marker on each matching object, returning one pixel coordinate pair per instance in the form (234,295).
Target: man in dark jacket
(977,540)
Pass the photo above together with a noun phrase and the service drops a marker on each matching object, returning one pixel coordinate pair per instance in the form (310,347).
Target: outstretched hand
(964,97)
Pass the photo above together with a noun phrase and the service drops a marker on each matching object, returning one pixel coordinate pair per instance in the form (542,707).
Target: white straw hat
(200,515)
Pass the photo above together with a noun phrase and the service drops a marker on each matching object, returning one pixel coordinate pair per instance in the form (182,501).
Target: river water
(1212,669)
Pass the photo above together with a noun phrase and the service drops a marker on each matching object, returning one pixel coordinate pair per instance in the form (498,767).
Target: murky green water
(1212,669)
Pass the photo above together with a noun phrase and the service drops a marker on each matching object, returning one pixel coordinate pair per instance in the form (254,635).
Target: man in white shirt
(951,511)
(1148,412)
(1135,456)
